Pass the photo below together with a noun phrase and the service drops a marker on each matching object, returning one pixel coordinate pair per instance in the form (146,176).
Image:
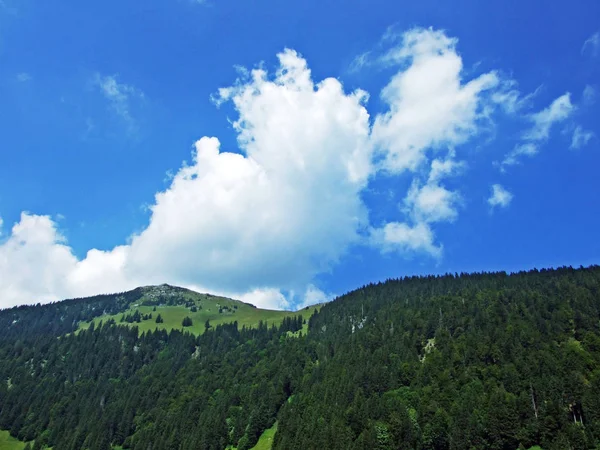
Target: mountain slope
(174,304)
(171,302)
(480,361)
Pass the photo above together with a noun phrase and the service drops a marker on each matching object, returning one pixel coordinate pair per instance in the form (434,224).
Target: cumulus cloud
(37,265)
(431,203)
(285,209)
(252,224)
(401,237)
(267,298)
(580,137)
(429,107)
(314,296)
(500,197)
(119,95)
(262,222)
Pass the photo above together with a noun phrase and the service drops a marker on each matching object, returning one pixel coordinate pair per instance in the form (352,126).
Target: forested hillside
(479,361)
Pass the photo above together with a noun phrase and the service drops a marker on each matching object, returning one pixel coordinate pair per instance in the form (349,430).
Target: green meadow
(266,439)
(7,442)
(217,310)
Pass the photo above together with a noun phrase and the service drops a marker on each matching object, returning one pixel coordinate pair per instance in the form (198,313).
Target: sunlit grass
(208,309)
(7,442)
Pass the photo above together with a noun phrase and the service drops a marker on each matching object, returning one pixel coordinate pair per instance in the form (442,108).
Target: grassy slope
(7,442)
(173,315)
(265,442)
(266,439)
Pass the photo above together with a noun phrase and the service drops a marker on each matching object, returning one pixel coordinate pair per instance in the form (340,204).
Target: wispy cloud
(592,45)
(361,61)
(512,157)
(559,110)
(510,99)
(589,95)
(580,138)
(119,96)
(23,77)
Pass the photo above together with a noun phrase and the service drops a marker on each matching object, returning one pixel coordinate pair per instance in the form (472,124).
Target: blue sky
(387,140)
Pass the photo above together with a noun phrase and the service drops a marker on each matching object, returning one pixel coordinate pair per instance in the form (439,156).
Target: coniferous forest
(463,361)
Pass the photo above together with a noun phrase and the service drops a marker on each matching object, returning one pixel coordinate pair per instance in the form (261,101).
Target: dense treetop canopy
(464,361)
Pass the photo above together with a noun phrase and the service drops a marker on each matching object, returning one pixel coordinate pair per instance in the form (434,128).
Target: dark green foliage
(187,322)
(63,317)
(159,319)
(136,317)
(482,361)
(471,360)
(292,324)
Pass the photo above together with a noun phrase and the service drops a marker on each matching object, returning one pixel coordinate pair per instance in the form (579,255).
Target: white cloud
(592,45)
(424,204)
(430,107)
(580,137)
(403,238)
(37,265)
(269,298)
(431,203)
(510,99)
(120,96)
(280,213)
(441,168)
(500,197)
(560,109)
(23,77)
(273,298)
(526,149)
(261,223)
(314,296)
